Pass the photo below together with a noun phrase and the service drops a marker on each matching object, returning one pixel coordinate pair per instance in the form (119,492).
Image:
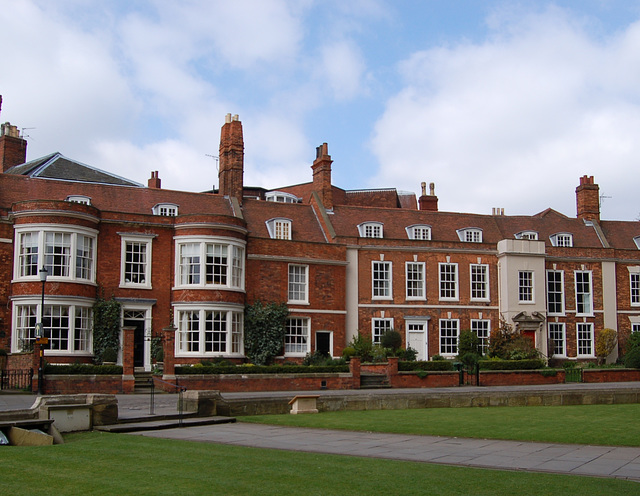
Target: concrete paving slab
(542,457)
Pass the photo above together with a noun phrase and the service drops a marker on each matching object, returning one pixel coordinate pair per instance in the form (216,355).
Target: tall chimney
(428,202)
(231,172)
(13,148)
(588,199)
(154,181)
(322,175)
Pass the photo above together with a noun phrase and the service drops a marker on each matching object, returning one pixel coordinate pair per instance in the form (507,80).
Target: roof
(57,166)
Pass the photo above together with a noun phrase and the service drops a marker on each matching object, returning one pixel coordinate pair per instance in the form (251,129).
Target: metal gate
(16,379)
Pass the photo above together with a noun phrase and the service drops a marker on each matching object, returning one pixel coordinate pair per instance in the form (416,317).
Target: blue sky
(500,103)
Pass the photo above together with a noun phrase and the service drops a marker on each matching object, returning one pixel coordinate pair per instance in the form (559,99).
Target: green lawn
(617,425)
(119,464)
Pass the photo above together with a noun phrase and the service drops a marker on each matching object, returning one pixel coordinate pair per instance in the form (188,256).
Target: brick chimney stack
(154,181)
(13,148)
(322,176)
(428,202)
(231,154)
(588,199)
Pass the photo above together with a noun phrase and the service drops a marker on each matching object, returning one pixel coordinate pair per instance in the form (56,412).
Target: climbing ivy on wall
(264,330)
(106,328)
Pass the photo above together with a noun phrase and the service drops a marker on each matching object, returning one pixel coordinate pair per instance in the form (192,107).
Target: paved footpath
(600,461)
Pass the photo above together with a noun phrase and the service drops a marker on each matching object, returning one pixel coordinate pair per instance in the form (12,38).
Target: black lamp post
(43,278)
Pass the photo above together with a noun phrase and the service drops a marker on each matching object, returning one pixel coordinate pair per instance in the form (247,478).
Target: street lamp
(40,328)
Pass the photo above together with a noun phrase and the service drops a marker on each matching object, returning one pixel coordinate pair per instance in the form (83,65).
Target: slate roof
(57,166)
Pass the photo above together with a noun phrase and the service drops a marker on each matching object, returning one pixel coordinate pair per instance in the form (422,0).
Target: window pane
(448,281)
(415,280)
(190,263)
(84,257)
(28,257)
(296,336)
(448,337)
(381,279)
(57,250)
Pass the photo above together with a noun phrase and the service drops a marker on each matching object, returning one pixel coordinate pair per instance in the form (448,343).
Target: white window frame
(636,240)
(530,235)
(560,293)
(379,326)
(72,306)
(562,239)
(39,258)
(371,230)
(142,240)
(381,287)
(416,287)
(279,228)
(281,197)
(479,282)
(584,339)
(234,265)
(526,287)
(297,344)
(421,232)
(470,235)
(186,338)
(482,329)
(580,293)
(298,284)
(85,200)
(448,286)
(558,329)
(634,286)
(446,346)
(165,209)
(635,327)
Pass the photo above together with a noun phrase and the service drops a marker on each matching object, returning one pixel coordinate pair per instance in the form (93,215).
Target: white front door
(417,338)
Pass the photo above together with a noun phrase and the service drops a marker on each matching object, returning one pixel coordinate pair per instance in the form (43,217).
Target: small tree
(391,339)
(605,344)
(264,331)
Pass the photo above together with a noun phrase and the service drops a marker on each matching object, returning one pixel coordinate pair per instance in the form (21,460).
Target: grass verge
(583,424)
(100,464)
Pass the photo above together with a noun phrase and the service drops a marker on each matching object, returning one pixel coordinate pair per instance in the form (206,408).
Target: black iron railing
(16,379)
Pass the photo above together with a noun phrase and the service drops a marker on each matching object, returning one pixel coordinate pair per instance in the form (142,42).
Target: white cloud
(342,68)
(515,121)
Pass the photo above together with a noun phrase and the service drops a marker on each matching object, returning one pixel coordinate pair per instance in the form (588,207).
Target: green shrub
(433,366)
(438,358)
(264,330)
(391,339)
(106,327)
(363,347)
(262,369)
(408,355)
(633,341)
(348,352)
(468,342)
(109,355)
(83,369)
(318,358)
(528,364)
(632,358)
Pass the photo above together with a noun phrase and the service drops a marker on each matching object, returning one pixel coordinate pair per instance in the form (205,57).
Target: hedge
(83,369)
(436,365)
(262,369)
(529,364)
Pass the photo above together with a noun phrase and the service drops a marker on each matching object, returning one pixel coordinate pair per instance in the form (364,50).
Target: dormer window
(370,230)
(561,240)
(281,197)
(166,209)
(531,235)
(636,240)
(279,228)
(421,232)
(85,200)
(470,235)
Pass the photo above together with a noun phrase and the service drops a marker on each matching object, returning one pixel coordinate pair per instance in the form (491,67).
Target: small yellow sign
(44,340)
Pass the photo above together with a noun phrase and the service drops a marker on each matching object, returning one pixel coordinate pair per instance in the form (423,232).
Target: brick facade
(197,264)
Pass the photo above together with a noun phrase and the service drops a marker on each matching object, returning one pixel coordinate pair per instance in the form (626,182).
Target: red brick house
(343,261)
